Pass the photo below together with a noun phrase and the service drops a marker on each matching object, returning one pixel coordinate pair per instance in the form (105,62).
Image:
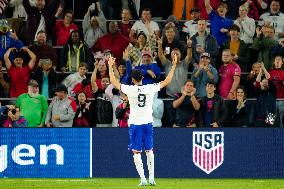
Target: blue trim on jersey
(140,137)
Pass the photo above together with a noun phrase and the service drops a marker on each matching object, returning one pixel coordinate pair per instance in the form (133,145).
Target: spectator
(256,8)
(246,25)
(101,71)
(122,111)
(82,116)
(85,86)
(19,74)
(277,78)
(125,24)
(94,27)
(279,49)
(113,41)
(186,105)
(74,52)
(182,8)
(212,112)
(64,27)
(42,50)
(33,106)
(239,49)
(202,73)
(8,39)
(13,118)
(250,83)
(275,18)
(46,77)
(61,110)
(233,7)
(200,4)
(219,24)
(171,22)
(264,42)
(4,83)
(72,80)
(18,9)
(143,24)
(190,27)
(158,111)
(230,74)
(241,110)
(40,17)
(202,42)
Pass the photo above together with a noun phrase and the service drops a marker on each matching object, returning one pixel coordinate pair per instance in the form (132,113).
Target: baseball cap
(194,9)
(205,54)
(44,61)
(61,87)
(33,83)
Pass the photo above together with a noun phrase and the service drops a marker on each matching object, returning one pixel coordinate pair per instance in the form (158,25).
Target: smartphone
(167,50)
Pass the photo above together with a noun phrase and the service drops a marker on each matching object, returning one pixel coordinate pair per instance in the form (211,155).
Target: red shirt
(277,78)
(203,13)
(19,78)
(62,32)
(125,29)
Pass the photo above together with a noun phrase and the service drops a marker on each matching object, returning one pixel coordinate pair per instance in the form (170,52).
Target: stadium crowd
(54,68)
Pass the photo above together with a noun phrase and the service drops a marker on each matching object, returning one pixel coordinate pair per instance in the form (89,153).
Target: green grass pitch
(125,183)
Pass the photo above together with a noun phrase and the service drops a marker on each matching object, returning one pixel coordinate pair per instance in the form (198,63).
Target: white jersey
(141,102)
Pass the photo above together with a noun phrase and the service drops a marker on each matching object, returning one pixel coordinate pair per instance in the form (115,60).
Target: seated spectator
(264,42)
(64,27)
(94,27)
(239,49)
(82,116)
(42,50)
(219,24)
(277,78)
(201,6)
(241,110)
(74,52)
(4,83)
(46,77)
(140,25)
(158,111)
(113,41)
(8,39)
(230,74)
(246,25)
(125,24)
(61,110)
(212,112)
(279,49)
(186,105)
(275,18)
(202,73)
(72,80)
(202,42)
(190,27)
(122,111)
(33,106)
(13,117)
(19,74)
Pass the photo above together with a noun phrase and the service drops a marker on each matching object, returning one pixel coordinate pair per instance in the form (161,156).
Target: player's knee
(149,152)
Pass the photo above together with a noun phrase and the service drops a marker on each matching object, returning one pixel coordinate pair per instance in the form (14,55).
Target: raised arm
(6,58)
(32,56)
(113,80)
(94,77)
(208,6)
(188,57)
(160,51)
(171,73)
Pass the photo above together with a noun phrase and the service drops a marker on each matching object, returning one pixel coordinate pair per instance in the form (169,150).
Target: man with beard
(33,105)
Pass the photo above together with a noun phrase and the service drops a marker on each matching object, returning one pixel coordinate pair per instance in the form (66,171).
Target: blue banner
(50,153)
(194,153)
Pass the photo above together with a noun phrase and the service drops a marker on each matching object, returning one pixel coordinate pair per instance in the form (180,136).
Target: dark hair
(137,75)
(211,82)
(70,42)
(235,27)
(146,9)
(83,64)
(69,12)
(189,80)
(244,89)
(224,5)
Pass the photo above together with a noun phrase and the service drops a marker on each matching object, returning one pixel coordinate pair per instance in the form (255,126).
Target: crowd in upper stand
(227,51)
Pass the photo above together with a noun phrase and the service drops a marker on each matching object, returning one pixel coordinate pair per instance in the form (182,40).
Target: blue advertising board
(195,153)
(49,153)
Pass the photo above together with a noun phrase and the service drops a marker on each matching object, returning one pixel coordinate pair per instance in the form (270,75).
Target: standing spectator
(101,71)
(190,27)
(14,119)
(230,74)
(42,50)
(246,25)
(140,25)
(202,42)
(250,82)
(239,49)
(122,111)
(113,41)
(4,83)
(202,73)
(61,110)
(75,78)
(125,24)
(275,18)
(46,77)
(74,52)
(33,106)
(256,8)
(171,22)
(94,27)
(82,115)
(219,24)
(64,27)
(40,17)
(19,74)
(18,9)
(277,78)
(241,110)
(264,42)
(200,4)
(233,7)
(186,105)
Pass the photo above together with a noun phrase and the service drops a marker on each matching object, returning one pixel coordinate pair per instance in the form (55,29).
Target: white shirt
(190,27)
(140,26)
(141,102)
(41,26)
(247,29)
(276,21)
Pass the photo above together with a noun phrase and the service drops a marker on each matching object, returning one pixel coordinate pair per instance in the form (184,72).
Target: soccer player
(140,117)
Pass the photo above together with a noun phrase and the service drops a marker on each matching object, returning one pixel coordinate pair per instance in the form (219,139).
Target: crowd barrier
(179,153)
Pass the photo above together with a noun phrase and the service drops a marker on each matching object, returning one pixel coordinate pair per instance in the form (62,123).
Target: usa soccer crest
(208,150)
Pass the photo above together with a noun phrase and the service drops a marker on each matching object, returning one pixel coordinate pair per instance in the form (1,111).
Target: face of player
(242,12)
(188,87)
(82,71)
(240,94)
(201,25)
(105,82)
(170,34)
(226,57)
(121,69)
(146,15)
(222,11)
(278,62)
(274,7)
(210,89)
(125,15)
(81,98)
(18,62)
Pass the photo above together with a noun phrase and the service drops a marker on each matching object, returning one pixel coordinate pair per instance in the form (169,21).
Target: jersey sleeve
(125,89)
(156,87)
(236,70)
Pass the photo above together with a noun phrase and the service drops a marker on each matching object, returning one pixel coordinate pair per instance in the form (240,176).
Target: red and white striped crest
(208,150)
